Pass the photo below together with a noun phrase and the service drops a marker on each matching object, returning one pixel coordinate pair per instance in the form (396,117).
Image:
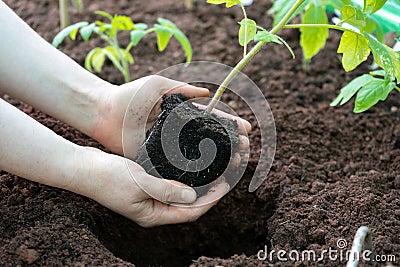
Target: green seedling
(188,4)
(362,34)
(64,14)
(78,5)
(121,57)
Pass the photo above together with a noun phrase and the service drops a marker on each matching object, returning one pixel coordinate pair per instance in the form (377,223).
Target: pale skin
(32,71)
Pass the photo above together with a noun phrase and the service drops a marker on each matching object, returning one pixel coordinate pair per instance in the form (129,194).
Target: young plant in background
(188,4)
(64,14)
(121,57)
(63,6)
(78,5)
(357,24)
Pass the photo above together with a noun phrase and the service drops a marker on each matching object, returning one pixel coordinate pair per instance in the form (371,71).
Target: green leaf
(167,23)
(123,23)
(164,34)
(336,4)
(136,36)
(127,56)
(378,73)
(113,56)
(354,48)
(380,35)
(371,6)
(229,3)
(98,60)
(247,31)
(369,25)
(72,34)
(352,15)
(104,14)
(281,7)
(351,89)
(185,43)
(385,57)
(313,39)
(78,5)
(89,58)
(165,30)
(87,31)
(266,37)
(103,27)
(66,31)
(374,26)
(140,26)
(371,93)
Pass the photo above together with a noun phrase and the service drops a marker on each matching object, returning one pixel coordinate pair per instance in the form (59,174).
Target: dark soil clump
(333,171)
(192,126)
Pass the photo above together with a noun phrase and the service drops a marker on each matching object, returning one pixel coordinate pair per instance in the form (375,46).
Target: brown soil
(333,171)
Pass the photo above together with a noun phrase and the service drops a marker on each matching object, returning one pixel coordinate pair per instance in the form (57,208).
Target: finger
(189,91)
(243,125)
(244,142)
(166,190)
(168,86)
(245,157)
(167,214)
(213,196)
(235,161)
(149,124)
(155,111)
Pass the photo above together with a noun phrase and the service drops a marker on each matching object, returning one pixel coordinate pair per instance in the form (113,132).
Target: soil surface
(192,126)
(333,172)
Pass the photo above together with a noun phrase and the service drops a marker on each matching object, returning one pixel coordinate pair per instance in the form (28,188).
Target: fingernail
(189,195)
(204,89)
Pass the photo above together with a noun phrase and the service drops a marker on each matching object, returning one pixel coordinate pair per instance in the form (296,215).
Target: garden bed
(333,170)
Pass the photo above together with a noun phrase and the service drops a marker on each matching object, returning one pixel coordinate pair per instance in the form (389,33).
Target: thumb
(168,191)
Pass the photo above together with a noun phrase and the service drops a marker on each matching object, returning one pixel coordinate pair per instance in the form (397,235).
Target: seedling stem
(64,14)
(246,59)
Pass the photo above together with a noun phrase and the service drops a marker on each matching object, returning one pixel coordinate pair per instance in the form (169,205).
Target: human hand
(115,101)
(113,182)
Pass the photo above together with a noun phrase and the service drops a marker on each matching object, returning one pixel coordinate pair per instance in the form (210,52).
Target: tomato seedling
(121,57)
(64,15)
(357,42)
(63,10)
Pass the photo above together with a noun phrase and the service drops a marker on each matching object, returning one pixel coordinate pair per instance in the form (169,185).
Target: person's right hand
(115,101)
(107,179)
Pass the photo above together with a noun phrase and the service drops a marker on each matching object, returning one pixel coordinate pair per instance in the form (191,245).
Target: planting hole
(236,225)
